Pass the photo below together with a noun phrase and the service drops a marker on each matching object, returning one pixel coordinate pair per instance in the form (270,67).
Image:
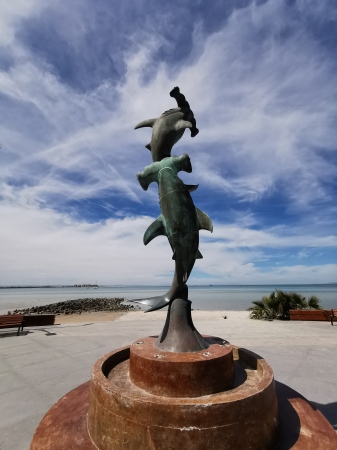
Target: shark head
(175,163)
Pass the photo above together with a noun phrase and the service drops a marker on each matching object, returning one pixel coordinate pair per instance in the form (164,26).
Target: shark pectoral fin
(198,255)
(155,229)
(145,123)
(182,124)
(191,187)
(174,256)
(148,146)
(205,222)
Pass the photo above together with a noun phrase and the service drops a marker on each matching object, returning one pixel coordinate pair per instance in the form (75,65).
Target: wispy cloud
(261,82)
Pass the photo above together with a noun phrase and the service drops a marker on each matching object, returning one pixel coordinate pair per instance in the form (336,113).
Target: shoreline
(210,298)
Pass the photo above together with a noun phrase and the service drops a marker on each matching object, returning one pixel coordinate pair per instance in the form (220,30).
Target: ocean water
(237,298)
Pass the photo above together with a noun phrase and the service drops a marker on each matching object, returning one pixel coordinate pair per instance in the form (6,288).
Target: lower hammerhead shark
(179,220)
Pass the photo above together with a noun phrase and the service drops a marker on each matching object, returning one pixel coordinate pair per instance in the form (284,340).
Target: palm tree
(314,303)
(277,305)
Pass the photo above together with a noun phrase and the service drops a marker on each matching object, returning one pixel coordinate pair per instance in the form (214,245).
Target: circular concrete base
(190,374)
(121,415)
(65,426)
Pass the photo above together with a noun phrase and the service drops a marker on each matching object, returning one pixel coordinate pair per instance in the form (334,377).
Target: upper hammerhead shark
(167,130)
(169,127)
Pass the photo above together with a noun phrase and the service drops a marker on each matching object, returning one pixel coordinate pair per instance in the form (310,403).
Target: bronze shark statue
(169,127)
(166,131)
(179,220)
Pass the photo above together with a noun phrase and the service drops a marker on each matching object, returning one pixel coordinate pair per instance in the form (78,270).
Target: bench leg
(18,333)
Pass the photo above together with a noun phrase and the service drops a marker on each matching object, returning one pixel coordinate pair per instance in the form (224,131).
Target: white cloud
(265,107)
(12,13)
(40,246)
(253,100)
(275,237)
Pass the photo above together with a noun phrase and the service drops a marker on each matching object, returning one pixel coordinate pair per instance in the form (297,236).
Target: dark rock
(78,306)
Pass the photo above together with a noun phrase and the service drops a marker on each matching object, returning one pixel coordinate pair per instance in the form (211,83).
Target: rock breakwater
(78,306)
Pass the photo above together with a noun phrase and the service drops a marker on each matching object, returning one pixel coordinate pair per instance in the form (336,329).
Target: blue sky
(75,78)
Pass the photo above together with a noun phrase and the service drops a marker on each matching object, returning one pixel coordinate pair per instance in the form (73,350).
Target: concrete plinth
(116,414)
(192,374)
(121,415)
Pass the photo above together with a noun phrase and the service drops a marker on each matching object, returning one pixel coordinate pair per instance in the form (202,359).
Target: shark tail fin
(145,123)
(205,222)
(154,302)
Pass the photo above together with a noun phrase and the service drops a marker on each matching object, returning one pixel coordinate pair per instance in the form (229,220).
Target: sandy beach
(130,316)
(92,317)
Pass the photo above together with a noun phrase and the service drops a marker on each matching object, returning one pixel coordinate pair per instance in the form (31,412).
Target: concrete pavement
(38,368)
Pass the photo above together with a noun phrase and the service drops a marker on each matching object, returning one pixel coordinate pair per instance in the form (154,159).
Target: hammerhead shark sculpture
(169,127)
(167,130)
(179,220)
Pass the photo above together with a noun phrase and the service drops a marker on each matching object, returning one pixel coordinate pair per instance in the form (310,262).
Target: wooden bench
(20,321)
(12,321)
(310,314)
(333,315)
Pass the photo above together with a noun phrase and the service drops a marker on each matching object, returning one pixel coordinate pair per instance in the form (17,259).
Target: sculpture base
(169,374)
(122,416)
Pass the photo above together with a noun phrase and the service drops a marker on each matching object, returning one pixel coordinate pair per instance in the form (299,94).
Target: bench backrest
(310,314)
(11,319)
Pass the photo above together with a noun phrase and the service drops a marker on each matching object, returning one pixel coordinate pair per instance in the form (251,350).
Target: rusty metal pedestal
(120,409)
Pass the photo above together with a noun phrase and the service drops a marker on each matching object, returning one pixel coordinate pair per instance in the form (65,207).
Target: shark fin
(205,222)
(182,124)
(198,255)
(161,304)
(174,256)
(154,302)
(145,123)
(148,146)
(155,229)
(191,187)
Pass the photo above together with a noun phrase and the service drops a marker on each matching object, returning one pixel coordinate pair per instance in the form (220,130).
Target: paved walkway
(38,368)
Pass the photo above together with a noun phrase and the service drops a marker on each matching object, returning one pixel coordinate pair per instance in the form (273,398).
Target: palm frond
(314,302)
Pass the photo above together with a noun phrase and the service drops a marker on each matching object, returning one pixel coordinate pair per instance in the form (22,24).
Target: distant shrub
(277,305)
